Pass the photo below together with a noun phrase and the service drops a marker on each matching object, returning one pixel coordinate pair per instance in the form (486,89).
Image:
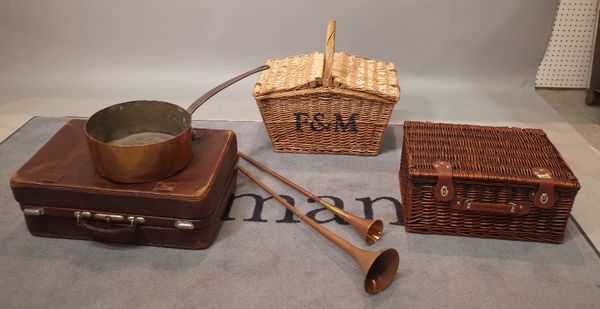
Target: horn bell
(371,230)
(380,269)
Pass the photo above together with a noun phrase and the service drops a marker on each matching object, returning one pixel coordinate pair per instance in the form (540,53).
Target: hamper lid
(330,70)
(349,72)
(484,153)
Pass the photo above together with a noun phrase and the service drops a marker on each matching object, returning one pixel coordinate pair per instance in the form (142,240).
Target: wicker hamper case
(327,103)
(481,181)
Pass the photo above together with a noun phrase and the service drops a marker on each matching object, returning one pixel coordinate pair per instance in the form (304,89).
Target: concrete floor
(570,104)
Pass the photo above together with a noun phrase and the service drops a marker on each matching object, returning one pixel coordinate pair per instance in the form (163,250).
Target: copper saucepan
(142,141)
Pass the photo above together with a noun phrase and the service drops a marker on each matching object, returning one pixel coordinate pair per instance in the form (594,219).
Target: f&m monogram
(318,122)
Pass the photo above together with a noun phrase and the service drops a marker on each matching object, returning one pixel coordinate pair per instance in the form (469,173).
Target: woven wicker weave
(489,165)
(304,111)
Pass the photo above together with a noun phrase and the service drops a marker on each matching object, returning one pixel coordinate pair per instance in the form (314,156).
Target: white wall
(175,49)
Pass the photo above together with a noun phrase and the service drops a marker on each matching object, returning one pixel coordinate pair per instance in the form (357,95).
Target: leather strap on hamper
(545,197)
(444,190)
(507,209)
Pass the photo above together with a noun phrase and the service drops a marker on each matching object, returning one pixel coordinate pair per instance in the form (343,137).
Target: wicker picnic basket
(481,181)
(327,103)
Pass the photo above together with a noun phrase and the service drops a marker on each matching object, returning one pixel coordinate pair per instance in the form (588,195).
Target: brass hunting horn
(370,230)
(379,267)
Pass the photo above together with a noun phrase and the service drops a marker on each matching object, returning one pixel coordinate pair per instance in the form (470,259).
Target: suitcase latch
(133,221)
(109,218)
(444,190)
(33,211)
(82,215)
(184,225)
(545,197)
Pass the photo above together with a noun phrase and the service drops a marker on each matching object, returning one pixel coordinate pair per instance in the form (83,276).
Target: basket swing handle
(329,51)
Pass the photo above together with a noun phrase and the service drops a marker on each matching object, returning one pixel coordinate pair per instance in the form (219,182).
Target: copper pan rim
(175,106)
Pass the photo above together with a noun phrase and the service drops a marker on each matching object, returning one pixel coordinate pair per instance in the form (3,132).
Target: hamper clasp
(545,197)
(444,190)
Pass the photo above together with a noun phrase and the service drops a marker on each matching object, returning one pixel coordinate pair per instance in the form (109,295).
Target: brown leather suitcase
(61,195)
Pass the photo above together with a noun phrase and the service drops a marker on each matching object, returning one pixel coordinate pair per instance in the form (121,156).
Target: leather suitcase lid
(61,174)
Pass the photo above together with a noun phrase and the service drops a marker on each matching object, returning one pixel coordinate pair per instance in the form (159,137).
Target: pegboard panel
(567,62)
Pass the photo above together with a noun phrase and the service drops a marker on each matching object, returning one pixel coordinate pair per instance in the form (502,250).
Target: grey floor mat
(264,259)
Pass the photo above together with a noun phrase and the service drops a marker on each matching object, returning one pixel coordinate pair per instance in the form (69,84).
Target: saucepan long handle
(222,86)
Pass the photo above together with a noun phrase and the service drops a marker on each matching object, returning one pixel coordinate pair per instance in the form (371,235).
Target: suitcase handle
(106,231)
(81,221)
(507,209)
